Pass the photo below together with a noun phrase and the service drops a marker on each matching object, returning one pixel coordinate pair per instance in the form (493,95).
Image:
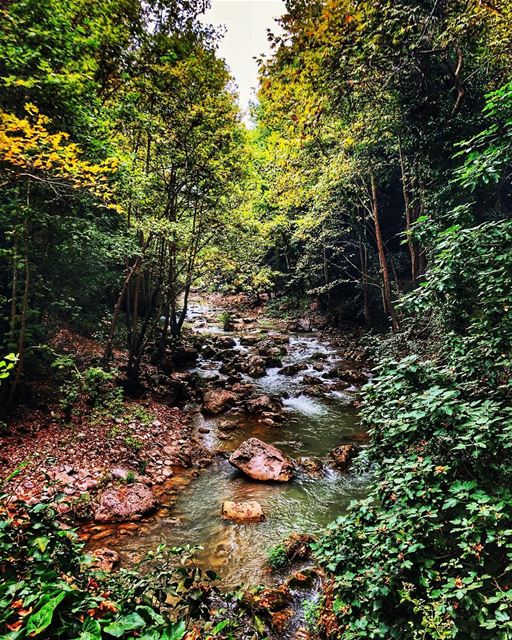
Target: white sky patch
(246,23)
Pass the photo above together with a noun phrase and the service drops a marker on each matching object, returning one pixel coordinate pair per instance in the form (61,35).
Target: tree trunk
(363,257)
(386,289)
(14,291)
(408,220)
(325,266)
(107,354)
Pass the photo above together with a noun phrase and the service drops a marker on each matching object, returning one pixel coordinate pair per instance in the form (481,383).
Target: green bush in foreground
(50,589)
(277,557)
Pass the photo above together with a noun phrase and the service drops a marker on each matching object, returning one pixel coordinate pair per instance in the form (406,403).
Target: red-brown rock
(105,559)
(343,456)
(130,502)
(249,511)
(216,401)
(264,403)
(262,461)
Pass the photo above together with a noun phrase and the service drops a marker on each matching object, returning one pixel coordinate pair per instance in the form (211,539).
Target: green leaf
(42,619)
(175,631)
(218,627)
(42,543)
(129,622)
(91,630)
(156,617)
(259,624)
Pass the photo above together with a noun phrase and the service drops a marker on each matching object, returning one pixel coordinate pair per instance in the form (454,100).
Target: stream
(313,427)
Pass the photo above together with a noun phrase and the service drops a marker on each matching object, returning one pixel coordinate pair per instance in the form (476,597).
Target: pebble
(119,474)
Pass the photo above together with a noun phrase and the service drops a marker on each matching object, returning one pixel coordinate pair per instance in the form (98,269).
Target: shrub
(50,588)
(226,320)
(277,558)
(429,553)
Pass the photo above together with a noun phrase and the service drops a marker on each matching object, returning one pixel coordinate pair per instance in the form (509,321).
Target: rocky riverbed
(275,412)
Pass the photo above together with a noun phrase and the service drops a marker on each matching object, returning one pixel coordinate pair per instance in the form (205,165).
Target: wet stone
(249,511)
(130,502)
(105,559)
(262,461)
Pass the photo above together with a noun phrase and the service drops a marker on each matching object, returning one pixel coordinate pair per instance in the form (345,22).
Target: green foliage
(312,610)
(429,553)
(133,443)
(50,588)
(94,384)
(362,91)
(488,154)
(226,320)
(94,98)
(277,557)
(286,306)
(6,365)
(130,477)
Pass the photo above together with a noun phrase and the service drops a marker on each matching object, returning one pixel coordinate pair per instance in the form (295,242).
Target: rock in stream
(262,461)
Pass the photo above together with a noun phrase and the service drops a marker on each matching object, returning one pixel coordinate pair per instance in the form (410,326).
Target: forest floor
(78,453)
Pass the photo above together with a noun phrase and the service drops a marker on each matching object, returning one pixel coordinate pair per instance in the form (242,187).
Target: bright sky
(246,22)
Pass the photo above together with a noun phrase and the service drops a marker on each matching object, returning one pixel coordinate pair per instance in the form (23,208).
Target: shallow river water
(314,426)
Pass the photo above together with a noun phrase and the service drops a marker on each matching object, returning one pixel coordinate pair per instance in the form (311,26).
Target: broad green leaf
(91,630)
(42,619)
(129,622)
(175,631)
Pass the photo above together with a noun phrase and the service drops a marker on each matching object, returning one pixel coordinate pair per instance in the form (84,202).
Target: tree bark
(14,291)
(23,313)
(107,354)
(363,257)
(386,289)
(408,220)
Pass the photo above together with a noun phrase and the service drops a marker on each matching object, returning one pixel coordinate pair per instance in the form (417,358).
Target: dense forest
(162,261)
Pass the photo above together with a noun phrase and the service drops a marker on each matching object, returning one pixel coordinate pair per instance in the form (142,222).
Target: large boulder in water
(249,511)
(302,325)
(255,367)
(121,504)
(251,339)
(216,401)
(225,342)
(262,461)
(184,354)
(292,369)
